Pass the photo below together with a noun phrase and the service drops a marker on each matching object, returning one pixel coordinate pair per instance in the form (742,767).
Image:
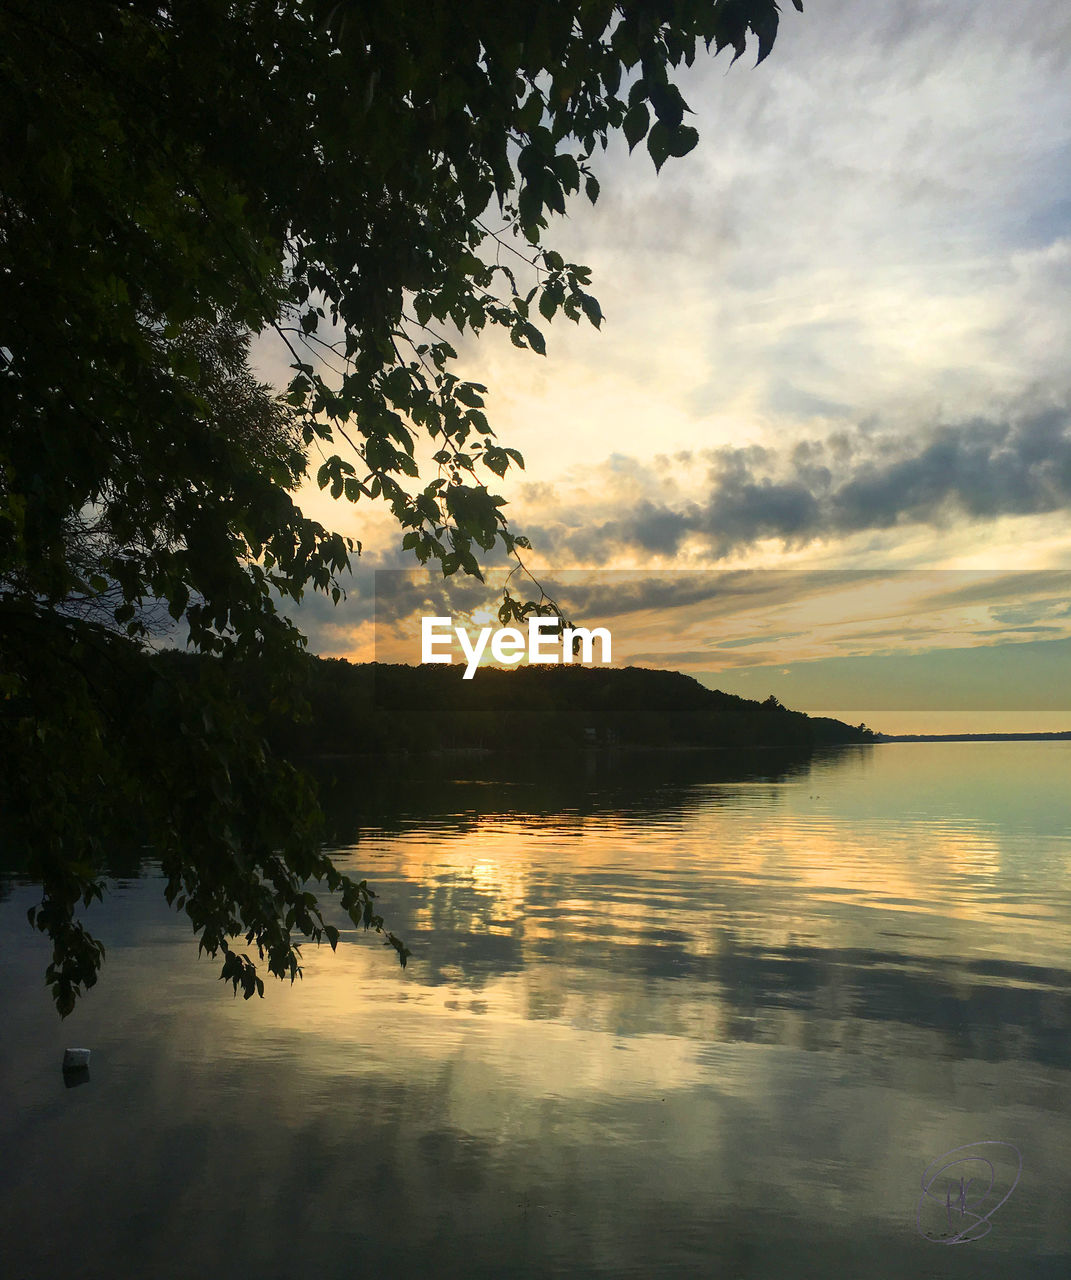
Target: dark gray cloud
(977,470)
(401,593)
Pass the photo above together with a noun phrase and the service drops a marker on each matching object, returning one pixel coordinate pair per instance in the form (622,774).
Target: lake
(678,1016)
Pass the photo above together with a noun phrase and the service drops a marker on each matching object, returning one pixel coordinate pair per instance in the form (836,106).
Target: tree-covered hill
(374,707)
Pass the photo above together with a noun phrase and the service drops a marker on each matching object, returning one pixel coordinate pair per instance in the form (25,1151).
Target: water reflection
(661,1020)
(456,792)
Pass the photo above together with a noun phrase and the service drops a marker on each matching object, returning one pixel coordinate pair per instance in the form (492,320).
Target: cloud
(982,469)
(873,234)
(876,221)
(979,470)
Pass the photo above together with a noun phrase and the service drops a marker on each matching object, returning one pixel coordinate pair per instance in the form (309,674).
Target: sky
(836,338)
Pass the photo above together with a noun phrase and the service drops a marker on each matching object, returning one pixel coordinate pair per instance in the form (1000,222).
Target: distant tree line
(375,707)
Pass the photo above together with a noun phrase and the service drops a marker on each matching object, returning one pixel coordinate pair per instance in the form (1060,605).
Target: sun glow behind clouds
(836,336)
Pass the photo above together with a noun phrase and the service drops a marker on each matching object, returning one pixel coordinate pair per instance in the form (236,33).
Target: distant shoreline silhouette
(1063,736)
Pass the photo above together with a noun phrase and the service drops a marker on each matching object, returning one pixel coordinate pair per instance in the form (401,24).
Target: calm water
(663,1019)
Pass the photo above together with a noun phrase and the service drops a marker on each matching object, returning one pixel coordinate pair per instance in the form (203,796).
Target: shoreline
(1063,736)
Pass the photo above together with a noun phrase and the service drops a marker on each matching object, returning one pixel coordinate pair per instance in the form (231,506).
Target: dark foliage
(370,707)
(173,178)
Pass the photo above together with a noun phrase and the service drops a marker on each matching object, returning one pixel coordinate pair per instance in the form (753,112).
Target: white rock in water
(74,1059)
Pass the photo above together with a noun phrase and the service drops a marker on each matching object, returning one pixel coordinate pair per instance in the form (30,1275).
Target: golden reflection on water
(779,998)
(760,863)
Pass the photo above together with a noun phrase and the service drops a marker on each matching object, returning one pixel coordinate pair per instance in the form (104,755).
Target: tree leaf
(592,309)
(668,104)
(683,140)
(535,339)
(468,395)
(635,124)
(659,141)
